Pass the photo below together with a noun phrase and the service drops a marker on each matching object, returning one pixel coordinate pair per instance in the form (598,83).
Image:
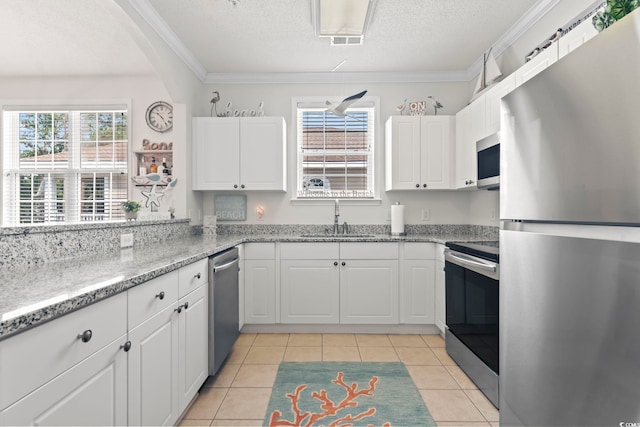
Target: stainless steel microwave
(488,157)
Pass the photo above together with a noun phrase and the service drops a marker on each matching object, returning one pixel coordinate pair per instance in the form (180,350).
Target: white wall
(445,207)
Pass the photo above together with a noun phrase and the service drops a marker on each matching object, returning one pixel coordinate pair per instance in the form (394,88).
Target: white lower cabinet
(309,283)
(136,358)
(153,370)
(91,393)
(417,284)
(168,360)
(369,291)
(259,283)
(310,291)
(440,294)
(193,348)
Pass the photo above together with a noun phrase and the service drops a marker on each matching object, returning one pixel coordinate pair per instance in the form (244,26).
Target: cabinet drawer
(260,251)
(193,276)
(150,298)
(310,251)
(368,251)
(34,357)
(416,250)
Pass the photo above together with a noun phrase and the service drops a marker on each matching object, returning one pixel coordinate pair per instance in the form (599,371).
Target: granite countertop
(32,296)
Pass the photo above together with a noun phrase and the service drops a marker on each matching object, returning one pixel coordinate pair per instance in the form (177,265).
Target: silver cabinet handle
(85,336)
(160,296)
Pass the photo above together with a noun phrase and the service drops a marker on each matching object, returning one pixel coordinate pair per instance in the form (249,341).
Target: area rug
(345,394)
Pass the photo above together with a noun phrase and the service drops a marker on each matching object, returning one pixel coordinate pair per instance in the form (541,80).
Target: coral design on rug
(328,406)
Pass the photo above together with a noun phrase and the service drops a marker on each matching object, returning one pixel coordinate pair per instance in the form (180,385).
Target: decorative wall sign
(418,108)
(231,208)
(155,146)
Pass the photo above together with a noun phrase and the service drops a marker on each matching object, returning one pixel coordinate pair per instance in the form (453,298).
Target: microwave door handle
(464,261)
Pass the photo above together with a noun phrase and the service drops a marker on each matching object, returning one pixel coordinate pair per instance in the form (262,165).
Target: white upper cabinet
(418,152)
(239,153)
(493,101)
(465,151)
(576,38)
(542,61)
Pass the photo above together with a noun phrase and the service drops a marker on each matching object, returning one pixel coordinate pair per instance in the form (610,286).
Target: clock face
(160,116)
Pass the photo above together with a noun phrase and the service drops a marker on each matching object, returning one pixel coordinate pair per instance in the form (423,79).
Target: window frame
(375,157)
(75,173)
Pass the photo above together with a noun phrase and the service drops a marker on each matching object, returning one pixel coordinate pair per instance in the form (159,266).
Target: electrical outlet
(426,214)
(126,240)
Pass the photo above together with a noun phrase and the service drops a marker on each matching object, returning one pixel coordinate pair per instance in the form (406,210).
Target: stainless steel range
(472,288)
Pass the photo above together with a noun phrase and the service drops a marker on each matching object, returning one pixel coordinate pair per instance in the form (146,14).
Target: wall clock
(160,116)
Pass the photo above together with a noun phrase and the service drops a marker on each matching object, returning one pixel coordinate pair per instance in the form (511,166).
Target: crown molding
(160,26)
(370,77)
(151,16)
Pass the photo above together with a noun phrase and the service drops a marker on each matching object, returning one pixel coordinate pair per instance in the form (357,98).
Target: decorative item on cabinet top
(420,108)
(259,112)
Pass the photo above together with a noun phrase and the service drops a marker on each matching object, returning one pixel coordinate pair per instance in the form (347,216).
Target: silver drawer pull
(85,336)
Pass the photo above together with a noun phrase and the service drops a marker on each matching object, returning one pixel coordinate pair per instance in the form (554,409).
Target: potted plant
(131,208)
(612,12)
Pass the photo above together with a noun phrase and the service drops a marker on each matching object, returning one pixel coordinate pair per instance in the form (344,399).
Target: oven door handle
(465,261)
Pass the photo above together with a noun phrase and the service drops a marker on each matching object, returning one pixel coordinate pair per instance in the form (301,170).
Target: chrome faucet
(336,226)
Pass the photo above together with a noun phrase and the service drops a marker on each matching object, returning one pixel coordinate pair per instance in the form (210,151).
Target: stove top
(487,249)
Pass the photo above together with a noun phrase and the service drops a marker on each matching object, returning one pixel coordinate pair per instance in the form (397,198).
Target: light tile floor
(239,393)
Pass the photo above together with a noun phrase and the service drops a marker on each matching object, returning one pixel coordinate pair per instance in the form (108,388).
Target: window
(63,167)
(335,154)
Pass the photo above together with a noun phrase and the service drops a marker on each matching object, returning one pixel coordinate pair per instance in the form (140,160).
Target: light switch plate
(426,214)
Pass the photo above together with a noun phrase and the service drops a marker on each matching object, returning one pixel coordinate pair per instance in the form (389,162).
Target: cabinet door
(466,165)
(435,152)
(402,152)
(310,291)
(369,291)
(494,101)
(440,302)
(576,38)
(91,393)
(259,291)
(153,370)
(193,346)
(263,153)
(537,64)
(417,291)
(216,153)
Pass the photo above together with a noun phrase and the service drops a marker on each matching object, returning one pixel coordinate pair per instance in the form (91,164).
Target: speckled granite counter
(31,296)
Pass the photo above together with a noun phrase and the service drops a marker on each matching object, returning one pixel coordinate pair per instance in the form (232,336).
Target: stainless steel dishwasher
(223,306)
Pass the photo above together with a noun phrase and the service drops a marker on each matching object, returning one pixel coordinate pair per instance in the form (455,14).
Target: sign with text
(231,208)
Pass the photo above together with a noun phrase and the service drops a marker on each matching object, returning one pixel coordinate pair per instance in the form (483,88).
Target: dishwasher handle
(226,266)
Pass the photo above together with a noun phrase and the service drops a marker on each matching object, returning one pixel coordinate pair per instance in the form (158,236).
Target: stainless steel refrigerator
(570,239)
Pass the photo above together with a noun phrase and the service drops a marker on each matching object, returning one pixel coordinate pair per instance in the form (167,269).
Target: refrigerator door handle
(465,261)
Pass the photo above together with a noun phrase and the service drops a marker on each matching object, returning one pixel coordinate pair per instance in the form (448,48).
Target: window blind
(335,153)
(64,166)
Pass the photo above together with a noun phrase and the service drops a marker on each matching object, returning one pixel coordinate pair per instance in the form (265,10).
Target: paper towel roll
(397,220)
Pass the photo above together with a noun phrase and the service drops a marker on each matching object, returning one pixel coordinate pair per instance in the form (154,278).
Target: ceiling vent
(346,40)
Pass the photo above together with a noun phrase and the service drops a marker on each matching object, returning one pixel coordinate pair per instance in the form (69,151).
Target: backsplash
(481,232)
(22,247)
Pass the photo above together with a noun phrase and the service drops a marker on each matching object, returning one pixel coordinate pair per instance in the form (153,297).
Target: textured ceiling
(82,37)
(259,36)
(65,37)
